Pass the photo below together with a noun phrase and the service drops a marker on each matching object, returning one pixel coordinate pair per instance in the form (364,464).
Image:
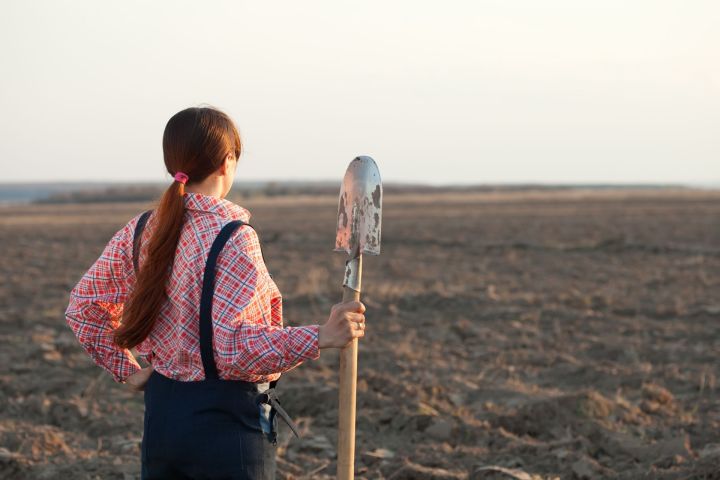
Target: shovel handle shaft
(348,384)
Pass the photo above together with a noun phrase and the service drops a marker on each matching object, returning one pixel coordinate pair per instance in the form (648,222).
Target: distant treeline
(151,192)
(108,194)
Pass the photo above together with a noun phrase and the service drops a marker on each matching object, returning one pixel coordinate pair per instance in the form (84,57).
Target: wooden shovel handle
(346,407)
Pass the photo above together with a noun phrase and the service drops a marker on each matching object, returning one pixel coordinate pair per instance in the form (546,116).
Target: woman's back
(250,342)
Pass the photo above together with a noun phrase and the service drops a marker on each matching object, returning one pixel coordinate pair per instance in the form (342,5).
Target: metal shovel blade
(360,209)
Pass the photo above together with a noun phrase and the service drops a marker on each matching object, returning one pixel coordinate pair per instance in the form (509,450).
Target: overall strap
(139,227)
(206,335)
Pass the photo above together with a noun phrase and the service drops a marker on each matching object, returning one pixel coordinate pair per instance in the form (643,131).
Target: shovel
(358,232)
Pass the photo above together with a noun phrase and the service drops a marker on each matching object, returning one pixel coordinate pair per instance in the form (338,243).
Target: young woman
(186,286)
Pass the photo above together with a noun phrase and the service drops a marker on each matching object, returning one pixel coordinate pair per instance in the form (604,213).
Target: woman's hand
(345,323)
(137,380)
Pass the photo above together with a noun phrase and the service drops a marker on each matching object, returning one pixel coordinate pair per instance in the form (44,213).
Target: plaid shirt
(249,341)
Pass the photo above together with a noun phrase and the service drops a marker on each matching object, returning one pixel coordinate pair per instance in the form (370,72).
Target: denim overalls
(213,428)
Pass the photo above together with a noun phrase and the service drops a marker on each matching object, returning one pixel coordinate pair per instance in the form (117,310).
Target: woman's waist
(214,384)
(196,373)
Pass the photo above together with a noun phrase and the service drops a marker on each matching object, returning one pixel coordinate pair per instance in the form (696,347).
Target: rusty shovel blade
(360,209)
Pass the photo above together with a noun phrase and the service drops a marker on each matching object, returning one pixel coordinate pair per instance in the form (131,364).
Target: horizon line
(588,184)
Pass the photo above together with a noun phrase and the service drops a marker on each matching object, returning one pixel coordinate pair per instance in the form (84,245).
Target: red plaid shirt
(249,341)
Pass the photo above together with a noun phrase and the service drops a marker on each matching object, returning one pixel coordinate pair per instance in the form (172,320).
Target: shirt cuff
(308,339)
(315,348)
(130,367)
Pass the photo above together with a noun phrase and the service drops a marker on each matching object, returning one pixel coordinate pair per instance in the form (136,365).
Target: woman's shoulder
(245,242)
(134,226)
(124,237)
(244,238)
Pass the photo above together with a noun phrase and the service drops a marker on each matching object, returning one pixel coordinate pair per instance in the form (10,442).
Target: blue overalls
(213,428)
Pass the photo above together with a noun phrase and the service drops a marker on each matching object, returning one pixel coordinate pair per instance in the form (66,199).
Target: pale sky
(437,92)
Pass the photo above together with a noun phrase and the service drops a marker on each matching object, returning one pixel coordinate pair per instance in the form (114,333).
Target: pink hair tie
(181,177)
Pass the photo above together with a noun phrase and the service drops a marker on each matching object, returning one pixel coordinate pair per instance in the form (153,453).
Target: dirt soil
(526,335)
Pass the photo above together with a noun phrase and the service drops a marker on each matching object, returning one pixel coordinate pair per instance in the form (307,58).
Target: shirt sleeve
(253,341)
(96,305)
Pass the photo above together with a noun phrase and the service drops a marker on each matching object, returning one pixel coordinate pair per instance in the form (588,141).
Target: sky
(452,92)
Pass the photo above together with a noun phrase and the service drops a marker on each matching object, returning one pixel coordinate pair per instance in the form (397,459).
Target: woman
(202,309)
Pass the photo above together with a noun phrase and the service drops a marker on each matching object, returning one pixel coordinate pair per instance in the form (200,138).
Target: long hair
(196,141)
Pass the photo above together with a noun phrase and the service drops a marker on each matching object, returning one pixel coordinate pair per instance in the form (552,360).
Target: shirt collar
(216,205)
